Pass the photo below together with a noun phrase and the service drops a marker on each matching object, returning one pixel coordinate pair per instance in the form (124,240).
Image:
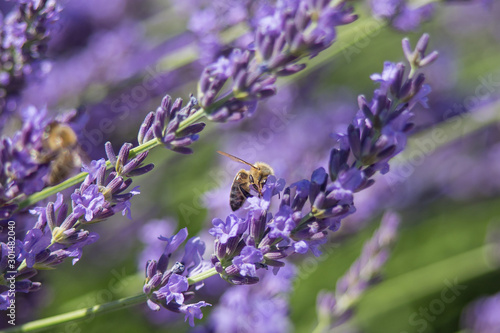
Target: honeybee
(61,150)
(246,180)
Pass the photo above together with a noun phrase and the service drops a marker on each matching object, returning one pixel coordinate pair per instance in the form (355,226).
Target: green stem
(77,315)
(323,325)
(466,266)
(202,276)
(82,314)
(47,192)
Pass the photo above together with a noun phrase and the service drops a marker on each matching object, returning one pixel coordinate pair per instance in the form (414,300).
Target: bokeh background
(114,60)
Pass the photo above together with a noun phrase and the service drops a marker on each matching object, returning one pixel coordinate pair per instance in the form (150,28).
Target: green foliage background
(441,240)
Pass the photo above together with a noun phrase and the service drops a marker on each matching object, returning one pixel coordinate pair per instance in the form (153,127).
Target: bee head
(258,176)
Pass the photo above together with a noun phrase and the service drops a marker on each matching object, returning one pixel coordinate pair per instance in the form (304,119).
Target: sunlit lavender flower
(164,124)
(57,233)
(335,308)
(169,288)
(482,315)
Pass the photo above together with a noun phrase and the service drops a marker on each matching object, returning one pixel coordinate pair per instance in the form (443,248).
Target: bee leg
(245,193)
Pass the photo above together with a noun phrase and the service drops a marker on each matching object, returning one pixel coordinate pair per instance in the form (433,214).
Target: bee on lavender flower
(247,180)
(61,150)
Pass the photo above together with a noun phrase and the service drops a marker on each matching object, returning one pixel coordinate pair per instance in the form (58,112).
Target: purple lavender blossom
(164,124)
(193,311)
(335,308)
(57,234)
(169,288)
(401,14)
(233,227)
(295,30)
(482,315)
(23,41)
(246,261)
(209,19)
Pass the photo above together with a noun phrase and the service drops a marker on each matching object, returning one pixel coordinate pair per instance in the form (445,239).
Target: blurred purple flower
(24,32)
(251,308)
(482,315)
(401,14)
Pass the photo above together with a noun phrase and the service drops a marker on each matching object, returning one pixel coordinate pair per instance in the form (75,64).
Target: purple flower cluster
(57,233)
(295,30)
(169,287)
(401,14)
(361,275)
(23,39)
(377,134)
(209,19)
(164,125)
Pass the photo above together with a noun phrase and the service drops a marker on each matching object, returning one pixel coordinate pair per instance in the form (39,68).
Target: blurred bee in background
(61,151)
(246,180)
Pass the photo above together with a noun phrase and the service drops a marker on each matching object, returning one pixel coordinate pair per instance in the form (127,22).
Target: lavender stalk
(335,308)
(24,33)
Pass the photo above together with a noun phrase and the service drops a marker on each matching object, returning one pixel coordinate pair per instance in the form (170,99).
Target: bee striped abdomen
(239,193)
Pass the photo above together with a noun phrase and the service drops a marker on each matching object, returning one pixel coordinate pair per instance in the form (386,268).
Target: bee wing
(237,159)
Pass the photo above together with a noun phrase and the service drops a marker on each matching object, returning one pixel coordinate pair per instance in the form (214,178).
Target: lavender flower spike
(169,288)
(361,275)
(295,30)
(24,33)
